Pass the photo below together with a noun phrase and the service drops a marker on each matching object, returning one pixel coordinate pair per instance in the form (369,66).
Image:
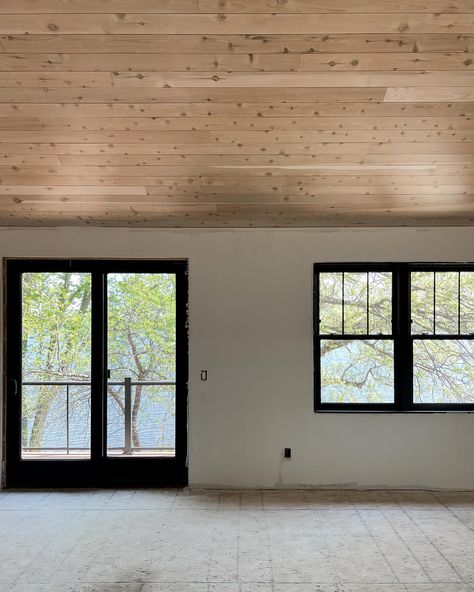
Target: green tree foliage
(361,370)
(443,370)
(141,337)
(57,341)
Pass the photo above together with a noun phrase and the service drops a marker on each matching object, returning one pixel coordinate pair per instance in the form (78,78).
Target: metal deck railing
(127,383)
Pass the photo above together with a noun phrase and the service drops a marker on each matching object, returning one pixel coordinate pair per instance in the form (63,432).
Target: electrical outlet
(287,453)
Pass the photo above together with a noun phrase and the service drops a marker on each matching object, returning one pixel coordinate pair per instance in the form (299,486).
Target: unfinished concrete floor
(253,541)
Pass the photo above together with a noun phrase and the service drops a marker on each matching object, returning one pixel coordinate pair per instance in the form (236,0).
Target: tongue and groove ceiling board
(236,113)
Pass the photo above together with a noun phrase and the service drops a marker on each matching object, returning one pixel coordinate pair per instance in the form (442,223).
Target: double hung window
(394,337)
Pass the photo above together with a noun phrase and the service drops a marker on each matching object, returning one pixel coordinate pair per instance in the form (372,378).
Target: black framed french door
(96,373)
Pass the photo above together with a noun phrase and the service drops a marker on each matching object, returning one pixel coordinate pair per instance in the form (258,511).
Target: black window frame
(402,337)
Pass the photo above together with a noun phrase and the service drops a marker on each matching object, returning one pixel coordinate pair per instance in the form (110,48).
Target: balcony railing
(127,383)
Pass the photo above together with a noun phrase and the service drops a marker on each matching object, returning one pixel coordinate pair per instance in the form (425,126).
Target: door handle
(14,384)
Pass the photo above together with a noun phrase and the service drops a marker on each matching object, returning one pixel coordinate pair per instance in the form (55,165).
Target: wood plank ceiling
(230,113)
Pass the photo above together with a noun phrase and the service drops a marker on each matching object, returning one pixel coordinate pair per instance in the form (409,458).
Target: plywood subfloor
(235,113)
(253,541)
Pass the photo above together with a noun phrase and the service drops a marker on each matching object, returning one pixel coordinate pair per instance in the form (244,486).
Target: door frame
(100,470)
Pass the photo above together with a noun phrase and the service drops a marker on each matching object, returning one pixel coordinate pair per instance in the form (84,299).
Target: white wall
(251,328)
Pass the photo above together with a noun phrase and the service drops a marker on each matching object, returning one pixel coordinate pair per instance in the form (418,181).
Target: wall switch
(287,453)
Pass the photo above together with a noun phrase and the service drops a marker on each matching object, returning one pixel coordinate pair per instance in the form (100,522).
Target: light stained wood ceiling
(235,113)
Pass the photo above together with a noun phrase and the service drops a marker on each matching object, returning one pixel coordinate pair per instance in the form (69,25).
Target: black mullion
(342,302)
(368,302)
(459,303)
(98,358)
(397,346)
(409,340)
(403,352)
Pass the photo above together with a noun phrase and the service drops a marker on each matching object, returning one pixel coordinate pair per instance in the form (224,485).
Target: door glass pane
(141,343)
(56,358)
(357,371)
